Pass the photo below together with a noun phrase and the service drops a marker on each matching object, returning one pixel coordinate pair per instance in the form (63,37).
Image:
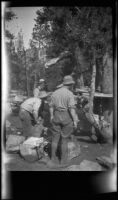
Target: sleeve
(51,104)
(71,101)
(36,107)
(36,92)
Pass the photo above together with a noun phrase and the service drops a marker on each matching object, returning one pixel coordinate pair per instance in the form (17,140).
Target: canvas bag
(30,149)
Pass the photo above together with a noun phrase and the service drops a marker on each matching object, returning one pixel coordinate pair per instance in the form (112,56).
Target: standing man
(29,114)
(40,87)
(63,118)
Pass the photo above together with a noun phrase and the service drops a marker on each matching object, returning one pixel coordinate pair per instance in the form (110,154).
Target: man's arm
(51,108)
(36,92)
(51,112)
(74,116)
(36,106)
(71,106)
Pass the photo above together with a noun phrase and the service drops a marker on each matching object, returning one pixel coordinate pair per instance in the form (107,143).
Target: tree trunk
(81,81)
(107,83)
(35,80)
(92,89)
(27,81)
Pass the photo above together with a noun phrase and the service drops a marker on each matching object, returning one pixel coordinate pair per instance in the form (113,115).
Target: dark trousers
(62,125)
(26,120)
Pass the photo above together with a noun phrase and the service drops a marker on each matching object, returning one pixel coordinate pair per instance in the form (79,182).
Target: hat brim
(41,97)
(69,83)
(44,96)
(59,86)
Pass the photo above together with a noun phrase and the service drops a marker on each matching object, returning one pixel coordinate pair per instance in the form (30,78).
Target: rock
(13,141)
(73,150)
(8,109)
(72,168)
(87,165)
(106,132)
(105,161)
(8,124)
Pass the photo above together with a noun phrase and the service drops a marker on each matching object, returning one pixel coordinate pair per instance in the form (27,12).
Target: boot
(54,162)
(64,156)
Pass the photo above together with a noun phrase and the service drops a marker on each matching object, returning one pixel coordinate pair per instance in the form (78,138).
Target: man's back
(62,98)
(31,103)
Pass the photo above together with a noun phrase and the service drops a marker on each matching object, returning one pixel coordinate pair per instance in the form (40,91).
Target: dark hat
(68,80)
(41,80)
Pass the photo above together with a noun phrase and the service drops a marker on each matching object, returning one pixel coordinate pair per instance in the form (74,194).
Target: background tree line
(84,32)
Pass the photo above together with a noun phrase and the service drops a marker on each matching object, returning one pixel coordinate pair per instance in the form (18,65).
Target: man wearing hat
(39,88)
(29,114)
(63,118)
(44,111)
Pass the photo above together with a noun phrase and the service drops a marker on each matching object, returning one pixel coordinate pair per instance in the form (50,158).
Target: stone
(73,150)
(8,124)
(87,165)
(105,161)
(13,141)
(72,168)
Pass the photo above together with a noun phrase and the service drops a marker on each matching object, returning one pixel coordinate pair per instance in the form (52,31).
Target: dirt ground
(90,150)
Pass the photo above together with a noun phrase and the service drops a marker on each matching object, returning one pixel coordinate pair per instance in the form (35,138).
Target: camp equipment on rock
(33,141)
(28,153)
(33,149)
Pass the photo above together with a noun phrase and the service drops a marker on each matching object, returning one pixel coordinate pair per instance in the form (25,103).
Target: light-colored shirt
(62,98)
(36,92)
(32,105)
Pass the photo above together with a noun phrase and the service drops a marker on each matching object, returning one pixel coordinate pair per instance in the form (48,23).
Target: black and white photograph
(59,89)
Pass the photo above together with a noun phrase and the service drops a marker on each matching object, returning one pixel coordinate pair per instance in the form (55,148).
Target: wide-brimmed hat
(59,86)
(68,80)
(43,94)
(41,80)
